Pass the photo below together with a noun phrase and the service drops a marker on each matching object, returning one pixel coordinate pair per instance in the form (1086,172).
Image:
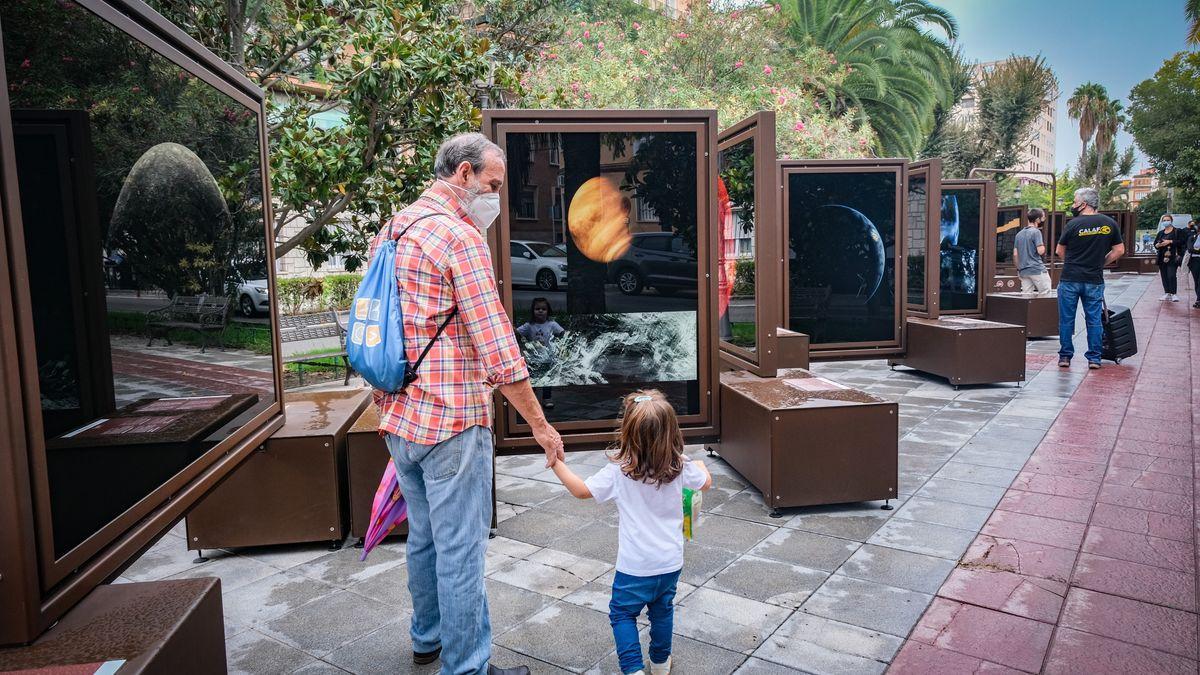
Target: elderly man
(1088,243)
(438,429)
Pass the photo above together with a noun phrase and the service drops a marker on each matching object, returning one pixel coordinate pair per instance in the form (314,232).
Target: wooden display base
(1138,264)
(1037,312)
(803,440)
(171,626)
(793,348)
(292,488)
(965,351)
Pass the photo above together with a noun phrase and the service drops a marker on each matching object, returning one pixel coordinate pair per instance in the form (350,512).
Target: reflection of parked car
(659,259)
(536,263)
(252,297)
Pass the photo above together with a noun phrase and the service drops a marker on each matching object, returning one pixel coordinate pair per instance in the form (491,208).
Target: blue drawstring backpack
(375,335)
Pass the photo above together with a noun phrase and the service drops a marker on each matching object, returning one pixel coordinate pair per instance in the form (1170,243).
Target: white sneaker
(660,668)
(1165,297)
(1174,298)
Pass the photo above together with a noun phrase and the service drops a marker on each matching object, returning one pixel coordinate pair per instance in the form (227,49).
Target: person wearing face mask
(1169,245)
(438,429)
(1088,243)
(1193,261)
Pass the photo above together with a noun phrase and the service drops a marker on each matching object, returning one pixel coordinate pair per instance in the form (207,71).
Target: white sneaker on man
(1174,298)
(1165,297)
(663,668)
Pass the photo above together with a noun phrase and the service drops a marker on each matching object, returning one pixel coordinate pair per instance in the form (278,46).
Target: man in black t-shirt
(1088,243)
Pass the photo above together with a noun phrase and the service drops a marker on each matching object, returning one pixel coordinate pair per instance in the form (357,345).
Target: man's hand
(551,442)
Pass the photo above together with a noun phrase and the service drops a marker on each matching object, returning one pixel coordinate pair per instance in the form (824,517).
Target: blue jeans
(1070,293)
(448,488)
(629,595)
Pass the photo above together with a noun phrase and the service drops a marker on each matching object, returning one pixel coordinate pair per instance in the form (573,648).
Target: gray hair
(1088,196)
(469,147)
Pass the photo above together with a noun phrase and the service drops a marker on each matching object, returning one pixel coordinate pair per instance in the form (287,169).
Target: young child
(544,329)
(646,478)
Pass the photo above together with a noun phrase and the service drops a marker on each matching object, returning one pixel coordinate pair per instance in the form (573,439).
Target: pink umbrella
(387,511)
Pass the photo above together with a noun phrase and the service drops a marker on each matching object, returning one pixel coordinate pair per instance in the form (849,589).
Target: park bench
(316,326)
(205,314)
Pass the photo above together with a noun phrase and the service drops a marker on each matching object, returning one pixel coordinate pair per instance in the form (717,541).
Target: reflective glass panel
(619,311)
(918,233)
(1008,223)
(842,256)
(142,213)
(735,218)
(962,219)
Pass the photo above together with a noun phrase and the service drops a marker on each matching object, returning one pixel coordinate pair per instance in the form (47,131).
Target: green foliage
(900,65)
(339,290)
(1036,194)
(1151,209)
(736,61)
(1165,120)
(237,335)
(398,75)
(298,293)
(743,277)
(1192,11)
(1085,106)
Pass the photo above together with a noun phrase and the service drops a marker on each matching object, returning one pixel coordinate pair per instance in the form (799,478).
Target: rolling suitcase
(1120,340)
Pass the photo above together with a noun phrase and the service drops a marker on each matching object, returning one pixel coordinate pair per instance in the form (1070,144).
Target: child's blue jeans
(629,595)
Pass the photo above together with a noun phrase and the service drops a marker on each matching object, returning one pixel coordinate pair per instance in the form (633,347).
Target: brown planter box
(965,351)
(1005,283)
(1038,312)
(1138,265)
(291,489)
(173,626)
(803,440)
(366,458)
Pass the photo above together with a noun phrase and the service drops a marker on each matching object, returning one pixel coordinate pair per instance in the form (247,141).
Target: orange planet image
(598,219)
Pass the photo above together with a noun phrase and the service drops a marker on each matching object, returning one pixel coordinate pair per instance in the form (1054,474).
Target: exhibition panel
(1009,221)
(924,207)
(608,223)
(135,205)
(749,266)
(964,248)
(845,254)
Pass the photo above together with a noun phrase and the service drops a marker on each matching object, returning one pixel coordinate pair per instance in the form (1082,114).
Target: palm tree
(1083,106)
(1108,121)
(898,52)
(1192,10)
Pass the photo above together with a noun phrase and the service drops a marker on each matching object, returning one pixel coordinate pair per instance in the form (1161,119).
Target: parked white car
(536,263)
(252,298)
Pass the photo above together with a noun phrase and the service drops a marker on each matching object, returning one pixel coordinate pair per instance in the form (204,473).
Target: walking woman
(1193,250)
(1170,243)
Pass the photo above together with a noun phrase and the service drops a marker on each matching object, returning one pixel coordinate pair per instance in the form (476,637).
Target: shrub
(743,278)
(297,293)
(339,290)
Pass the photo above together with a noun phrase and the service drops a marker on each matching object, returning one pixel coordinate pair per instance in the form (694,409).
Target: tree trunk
(236,10)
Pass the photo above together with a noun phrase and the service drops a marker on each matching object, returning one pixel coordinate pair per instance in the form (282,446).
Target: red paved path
(1088,564)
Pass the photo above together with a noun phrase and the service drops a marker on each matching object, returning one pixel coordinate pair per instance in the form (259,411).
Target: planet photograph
(962,223)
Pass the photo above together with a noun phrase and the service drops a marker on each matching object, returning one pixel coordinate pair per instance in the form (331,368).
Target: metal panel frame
(36,587)
(1008,269)
(899,167)
(768,247)
(987,224)
(512,436)
(931,169)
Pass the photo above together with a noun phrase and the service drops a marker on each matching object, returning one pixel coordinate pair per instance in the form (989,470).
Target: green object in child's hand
(691,510)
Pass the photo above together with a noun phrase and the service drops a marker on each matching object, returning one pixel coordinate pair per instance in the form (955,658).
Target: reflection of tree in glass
(663,175)
(737,170)
(59,56)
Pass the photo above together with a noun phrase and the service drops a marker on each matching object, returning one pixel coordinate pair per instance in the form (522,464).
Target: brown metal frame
(898,167)
(931,169)
(1007,269)
(36,587)
(515,437)
(768,245)
(987,224)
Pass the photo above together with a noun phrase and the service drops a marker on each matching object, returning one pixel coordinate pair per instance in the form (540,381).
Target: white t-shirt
(650,540)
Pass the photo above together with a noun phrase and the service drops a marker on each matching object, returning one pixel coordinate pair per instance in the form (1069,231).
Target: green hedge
(253,337)
(339,290)
(743,278)
(310,294)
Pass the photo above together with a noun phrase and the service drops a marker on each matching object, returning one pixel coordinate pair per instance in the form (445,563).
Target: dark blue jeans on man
(1070,293)
(629,595)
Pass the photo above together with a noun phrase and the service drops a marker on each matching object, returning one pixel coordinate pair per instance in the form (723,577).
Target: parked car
(661,260)
(252,298)
(536,263)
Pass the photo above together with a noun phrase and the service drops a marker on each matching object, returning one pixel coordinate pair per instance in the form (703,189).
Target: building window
(527,204)
(555,207)
(335,263)
(556,151)
(645,213)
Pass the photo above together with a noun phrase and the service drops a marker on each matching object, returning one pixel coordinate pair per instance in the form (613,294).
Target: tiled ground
(1088,563)
(823,590)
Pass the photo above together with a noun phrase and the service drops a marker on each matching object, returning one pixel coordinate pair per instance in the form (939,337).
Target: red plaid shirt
(443,262)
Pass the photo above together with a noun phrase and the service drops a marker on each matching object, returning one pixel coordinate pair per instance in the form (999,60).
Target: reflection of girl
(726,263)
(544,329)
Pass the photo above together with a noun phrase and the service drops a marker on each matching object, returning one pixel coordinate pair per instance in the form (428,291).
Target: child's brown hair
(650,448)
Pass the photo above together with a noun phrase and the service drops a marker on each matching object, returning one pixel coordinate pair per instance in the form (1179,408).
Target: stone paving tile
(539,527)
(986,634)
(748,505)
(525,491)
(950,514)
(565,635)
(343,568)
(385,650)
(894,567)
(869,605)
(1153,626)
(389,587)
(1030,597)
(309,627)
(806,548)
(769,581)
(272,597)
(234,571)
(740,624)
(820,645)
(688,657)
(856,522)
(730,533)
(1140,548)
(701,563)
(961,492)
(252,652)
(1078,653)
(754,666)
(1139,582)
(926,538)
(973,473)
(509,605)
(547,579)
(169,556)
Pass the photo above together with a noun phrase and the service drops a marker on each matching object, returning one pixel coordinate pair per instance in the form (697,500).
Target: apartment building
(1039,154)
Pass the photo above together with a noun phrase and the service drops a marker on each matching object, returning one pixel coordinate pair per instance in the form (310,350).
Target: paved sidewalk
(822,590)
(1088,564)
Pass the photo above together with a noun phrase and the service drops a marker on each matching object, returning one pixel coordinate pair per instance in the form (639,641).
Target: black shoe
(1064,363)
(1093,365)
(426,658)
(519,670)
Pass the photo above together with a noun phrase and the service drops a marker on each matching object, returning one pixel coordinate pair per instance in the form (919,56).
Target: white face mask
(482,208)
